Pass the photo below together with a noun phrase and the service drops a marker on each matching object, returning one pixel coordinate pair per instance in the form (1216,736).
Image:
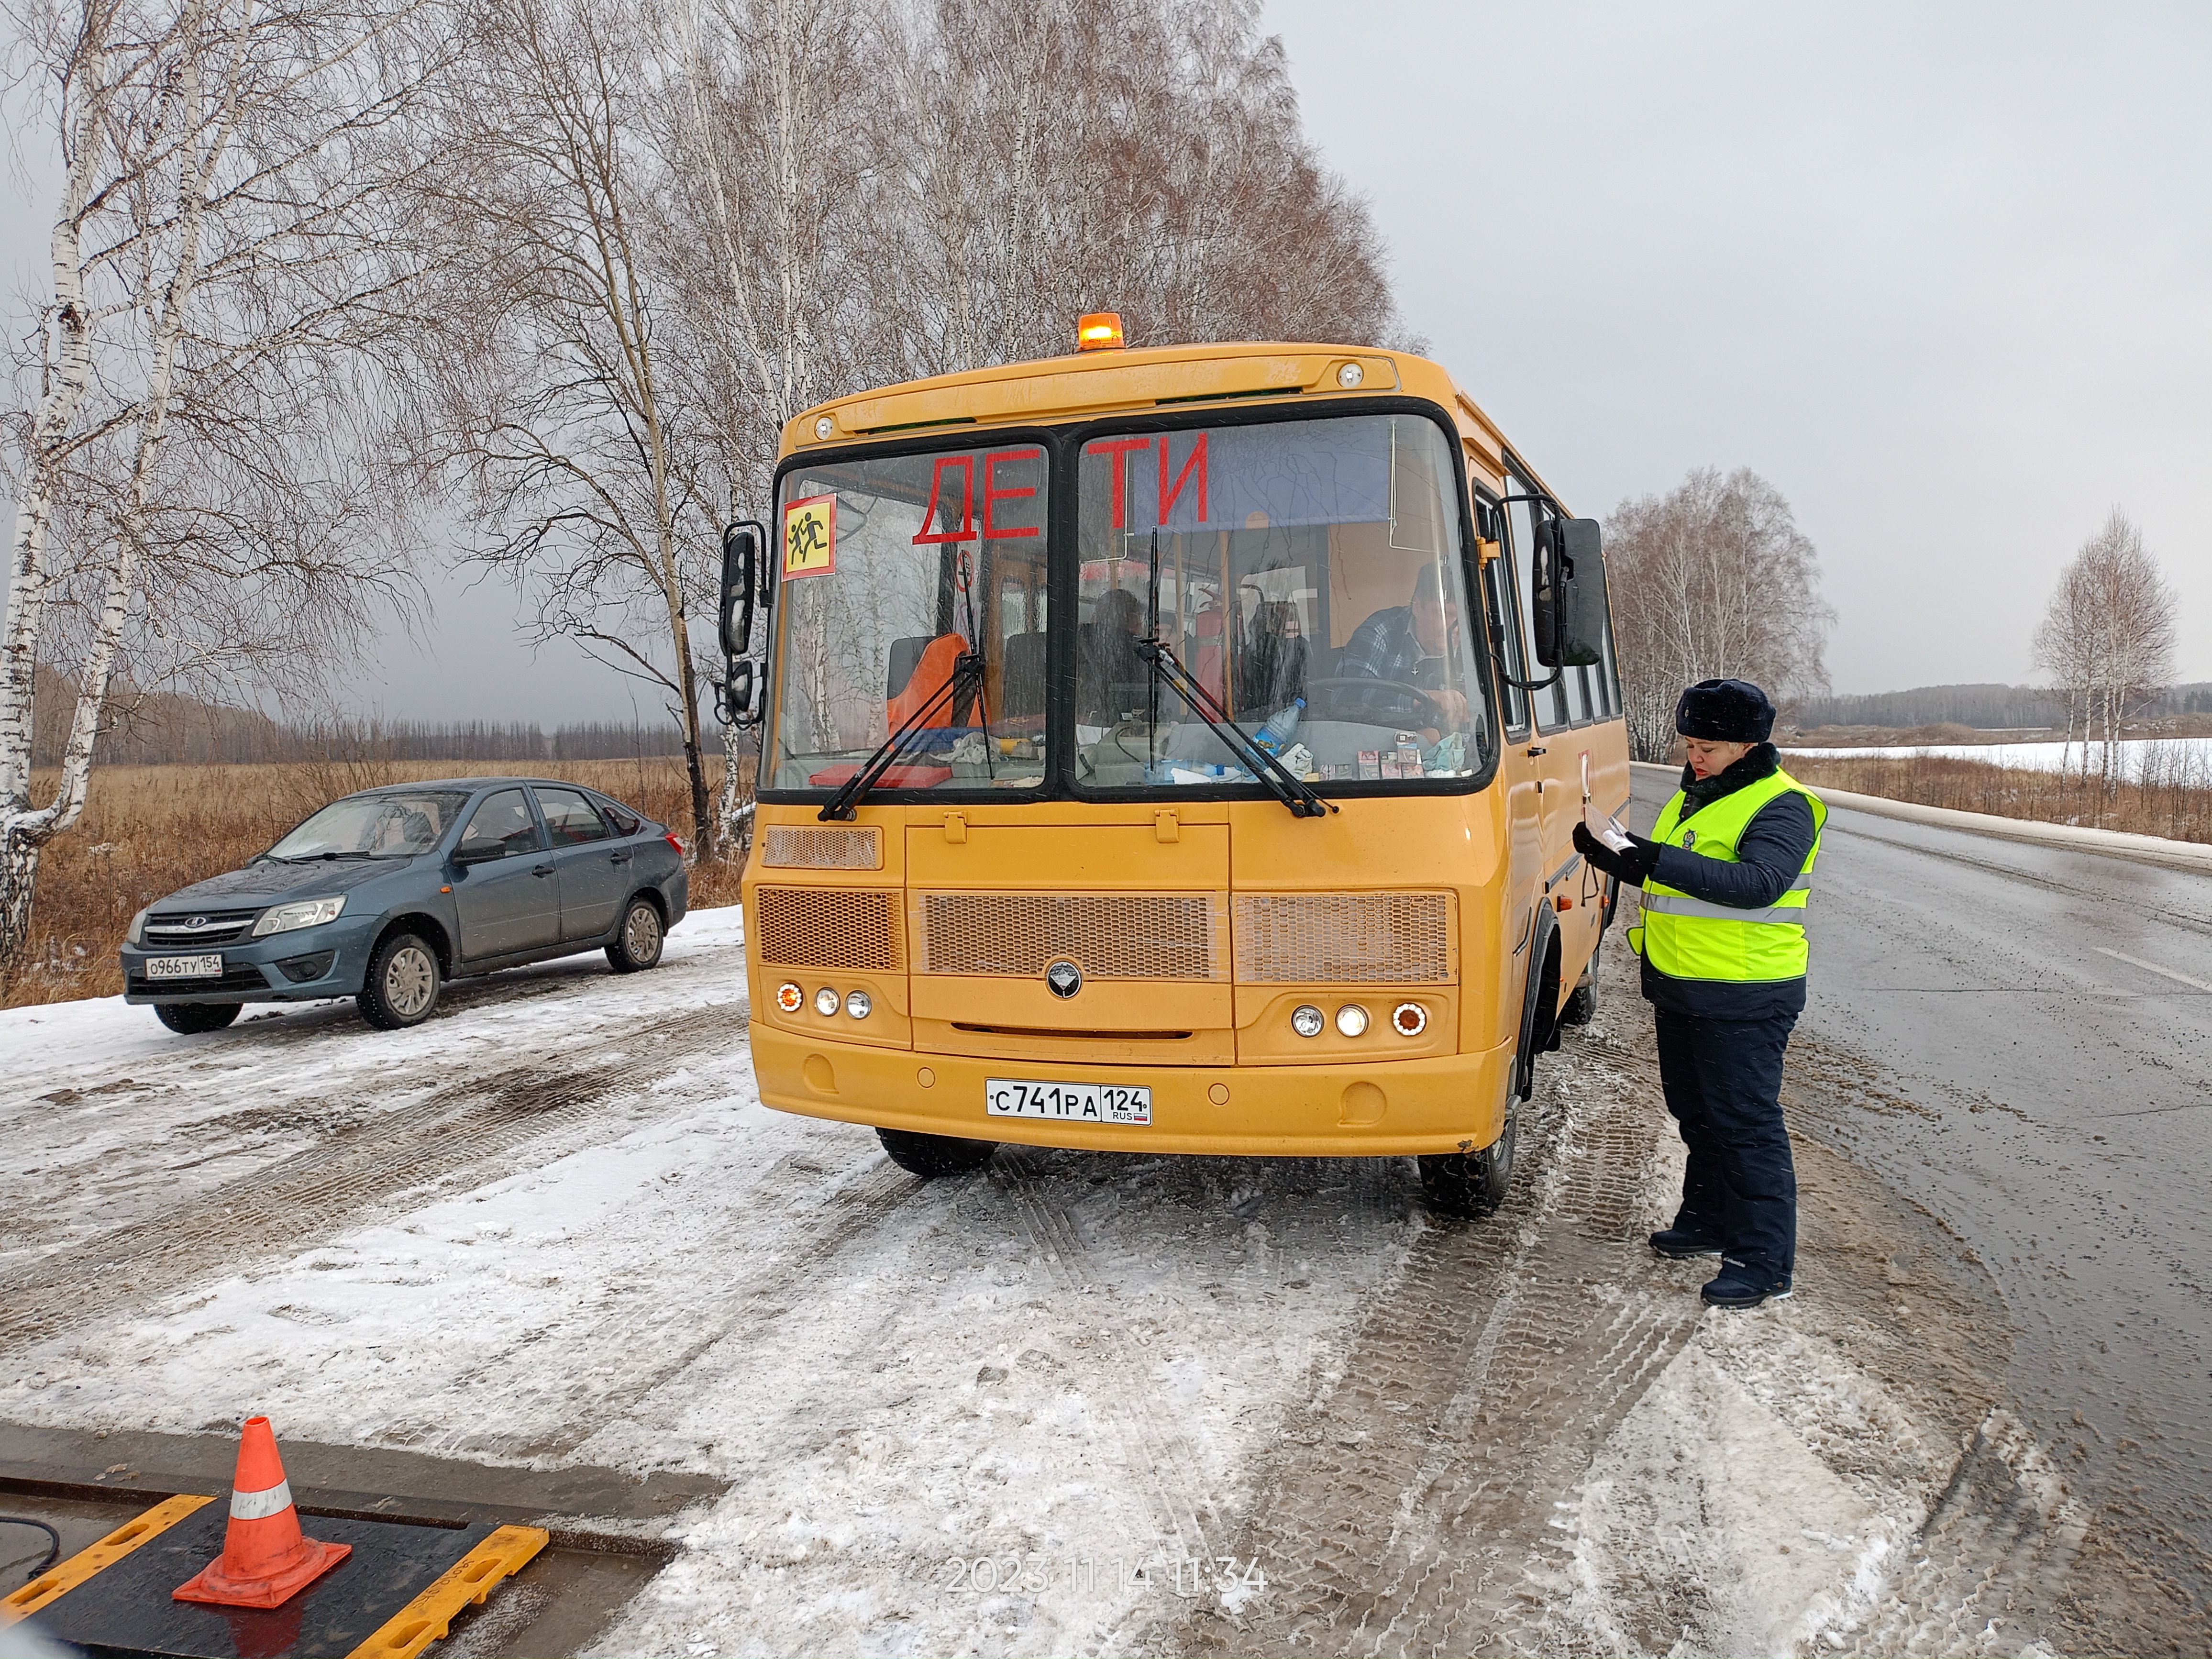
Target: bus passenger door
(1518,778)
(1551,745)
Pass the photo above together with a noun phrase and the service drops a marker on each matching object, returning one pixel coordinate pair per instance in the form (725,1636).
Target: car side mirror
(1570,593)
(465,856)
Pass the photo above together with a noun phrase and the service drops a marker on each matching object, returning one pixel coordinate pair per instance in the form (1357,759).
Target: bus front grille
(829,927)
(1108,935)
(805,847)
(1344,939)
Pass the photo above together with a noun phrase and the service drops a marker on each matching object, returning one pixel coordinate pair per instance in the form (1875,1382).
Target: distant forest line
(1986,708)
(160,729)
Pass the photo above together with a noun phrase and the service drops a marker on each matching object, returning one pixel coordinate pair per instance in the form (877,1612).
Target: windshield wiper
(964,686)
(1293,791)
(1287,786)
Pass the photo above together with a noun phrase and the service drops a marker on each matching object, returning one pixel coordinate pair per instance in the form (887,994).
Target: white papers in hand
(1606,829)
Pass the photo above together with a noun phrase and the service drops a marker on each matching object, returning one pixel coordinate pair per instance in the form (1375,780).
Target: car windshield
(392,824)
(1307,575)
(894,571)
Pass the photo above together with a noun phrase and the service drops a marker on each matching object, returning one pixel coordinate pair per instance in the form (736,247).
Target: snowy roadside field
(2129,754)
(1062,1406)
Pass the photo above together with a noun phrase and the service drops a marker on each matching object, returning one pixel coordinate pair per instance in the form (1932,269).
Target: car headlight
(305,913)
(137,929)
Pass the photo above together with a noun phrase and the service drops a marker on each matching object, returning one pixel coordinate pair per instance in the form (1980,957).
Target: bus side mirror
(734,698)
(743,583)
(741,558)
(1570,593)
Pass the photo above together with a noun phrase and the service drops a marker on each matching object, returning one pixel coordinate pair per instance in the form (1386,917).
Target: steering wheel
(1408,699)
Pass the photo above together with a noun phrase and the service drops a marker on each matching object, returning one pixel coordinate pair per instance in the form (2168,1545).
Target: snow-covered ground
(1031,1410)
(2130,753)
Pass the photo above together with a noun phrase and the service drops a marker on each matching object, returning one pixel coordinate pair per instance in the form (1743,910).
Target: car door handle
(621,856)
(541,869)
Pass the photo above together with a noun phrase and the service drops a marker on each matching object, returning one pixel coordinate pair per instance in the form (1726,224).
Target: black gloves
(1633,866)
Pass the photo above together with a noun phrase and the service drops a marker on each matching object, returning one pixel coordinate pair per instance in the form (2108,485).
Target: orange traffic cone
(264,1560)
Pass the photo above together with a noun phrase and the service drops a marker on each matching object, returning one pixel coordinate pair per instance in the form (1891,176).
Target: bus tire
(934,1155)
(1582,1001)
(1470,1184)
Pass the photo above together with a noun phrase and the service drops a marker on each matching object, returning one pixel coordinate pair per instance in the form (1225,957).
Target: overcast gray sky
(1943,274)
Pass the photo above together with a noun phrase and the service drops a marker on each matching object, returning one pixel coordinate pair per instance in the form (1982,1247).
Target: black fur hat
(1724,711)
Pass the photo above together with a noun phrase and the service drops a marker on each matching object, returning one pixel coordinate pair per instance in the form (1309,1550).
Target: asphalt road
(2020,1039)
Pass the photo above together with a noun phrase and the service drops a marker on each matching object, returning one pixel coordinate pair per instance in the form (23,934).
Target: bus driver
(1411,644)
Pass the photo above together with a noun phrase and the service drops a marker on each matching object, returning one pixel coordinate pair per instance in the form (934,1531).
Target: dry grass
(2171,796)
(148,830)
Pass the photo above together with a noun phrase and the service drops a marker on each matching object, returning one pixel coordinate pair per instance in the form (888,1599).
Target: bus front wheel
(1470,1184)
(934,1155)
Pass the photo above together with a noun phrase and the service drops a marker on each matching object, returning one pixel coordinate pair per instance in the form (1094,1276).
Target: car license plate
(1070,1103)
(184,967)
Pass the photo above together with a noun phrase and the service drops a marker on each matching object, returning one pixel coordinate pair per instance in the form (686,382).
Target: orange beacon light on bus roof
(1099,330)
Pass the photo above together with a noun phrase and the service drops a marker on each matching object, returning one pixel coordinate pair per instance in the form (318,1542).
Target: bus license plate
(184,967)
(1071,1102)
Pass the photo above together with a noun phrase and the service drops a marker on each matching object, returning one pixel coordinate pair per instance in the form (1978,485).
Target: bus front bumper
(1454,1102)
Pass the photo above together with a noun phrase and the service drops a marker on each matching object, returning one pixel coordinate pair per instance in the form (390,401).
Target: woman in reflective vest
(1725,876)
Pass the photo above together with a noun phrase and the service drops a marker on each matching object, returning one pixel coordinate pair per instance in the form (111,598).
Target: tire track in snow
(807,1246)
(448,1136)
(1411,1504)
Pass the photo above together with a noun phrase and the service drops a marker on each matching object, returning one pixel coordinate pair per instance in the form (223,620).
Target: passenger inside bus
(1272,673)
(1112,673)
(1412,644)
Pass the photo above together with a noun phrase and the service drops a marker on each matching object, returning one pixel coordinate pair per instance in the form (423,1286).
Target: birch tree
(550,409)
(2107,639)
(1711,581)
(763,229)
(182,509)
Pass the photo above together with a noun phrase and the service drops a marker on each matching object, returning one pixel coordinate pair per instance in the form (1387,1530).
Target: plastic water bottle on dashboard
(1277,731)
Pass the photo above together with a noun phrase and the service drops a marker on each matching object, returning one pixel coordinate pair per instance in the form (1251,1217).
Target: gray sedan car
(385,895)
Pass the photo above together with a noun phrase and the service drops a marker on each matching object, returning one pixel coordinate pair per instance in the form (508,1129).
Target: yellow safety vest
(1686,937)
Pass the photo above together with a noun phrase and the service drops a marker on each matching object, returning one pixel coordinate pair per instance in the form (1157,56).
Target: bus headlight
(825,1001)
(789,998)
(1306,1020)
(1409,1019)
(1351,1019)
(858,1004)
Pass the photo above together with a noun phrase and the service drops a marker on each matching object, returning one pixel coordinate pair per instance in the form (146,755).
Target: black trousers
(1724,1084)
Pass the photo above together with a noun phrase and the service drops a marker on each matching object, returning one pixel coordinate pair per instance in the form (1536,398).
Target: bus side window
(1571,681)
(1551,703)
(1505,632)
(1608,673)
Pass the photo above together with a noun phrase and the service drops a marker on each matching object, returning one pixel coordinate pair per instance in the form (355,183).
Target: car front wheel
(402,984)
(638,944)
(192,1017)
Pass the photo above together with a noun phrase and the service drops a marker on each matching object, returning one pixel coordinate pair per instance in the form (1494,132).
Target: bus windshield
(1308,574)
(893,568)
(1309,578)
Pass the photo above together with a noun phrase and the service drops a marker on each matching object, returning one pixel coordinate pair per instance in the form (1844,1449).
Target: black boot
(1679,1245)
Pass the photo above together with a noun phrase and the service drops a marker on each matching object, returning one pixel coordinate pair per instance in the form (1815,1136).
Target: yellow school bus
(1171,750)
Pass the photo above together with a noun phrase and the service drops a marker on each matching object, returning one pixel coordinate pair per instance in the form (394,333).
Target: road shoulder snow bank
(2188,856)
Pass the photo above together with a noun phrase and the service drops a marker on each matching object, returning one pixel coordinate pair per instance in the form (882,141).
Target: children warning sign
(809,537)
